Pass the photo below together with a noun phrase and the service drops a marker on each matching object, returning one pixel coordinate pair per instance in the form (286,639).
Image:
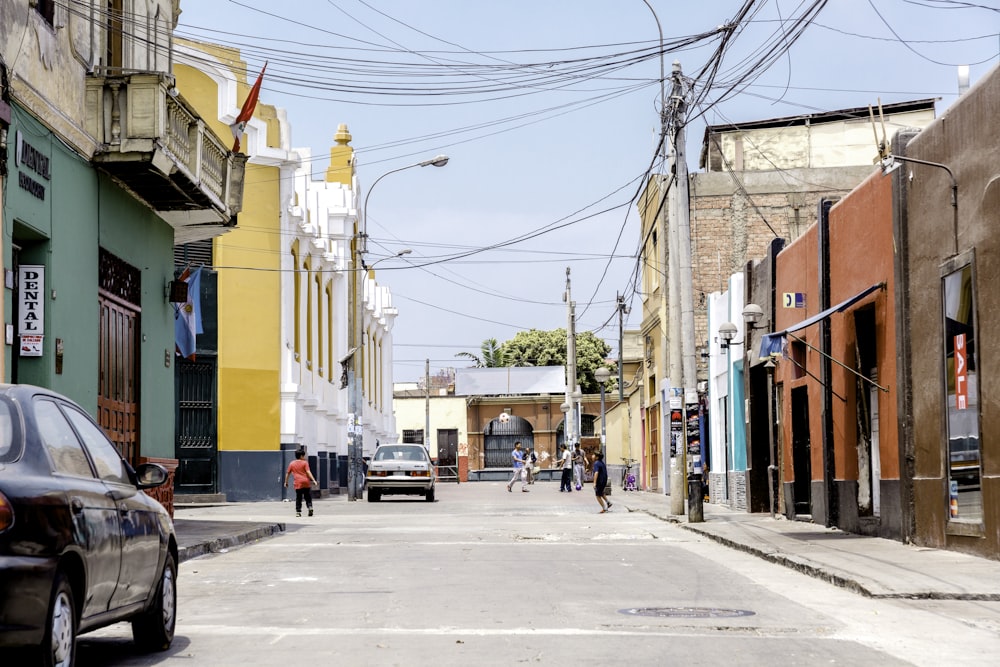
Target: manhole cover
(686,612)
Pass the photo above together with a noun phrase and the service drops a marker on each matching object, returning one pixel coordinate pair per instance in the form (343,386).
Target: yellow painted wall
(249,299)
(249,319)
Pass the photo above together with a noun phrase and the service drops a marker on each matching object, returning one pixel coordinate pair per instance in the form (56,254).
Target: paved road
(483,576)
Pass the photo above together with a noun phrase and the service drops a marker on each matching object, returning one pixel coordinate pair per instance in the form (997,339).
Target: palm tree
(492,355)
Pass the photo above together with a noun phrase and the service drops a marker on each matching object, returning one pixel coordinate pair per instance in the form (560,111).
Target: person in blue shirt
(601,481)
(517,461)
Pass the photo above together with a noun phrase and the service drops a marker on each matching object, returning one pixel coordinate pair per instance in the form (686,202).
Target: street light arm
(405,251)
(436,161)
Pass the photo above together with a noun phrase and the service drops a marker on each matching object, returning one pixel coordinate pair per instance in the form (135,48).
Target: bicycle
(628,477)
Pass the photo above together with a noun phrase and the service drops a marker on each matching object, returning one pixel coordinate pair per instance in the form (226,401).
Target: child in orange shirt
(304,481)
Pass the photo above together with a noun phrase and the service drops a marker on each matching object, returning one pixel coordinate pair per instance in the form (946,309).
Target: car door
(94,514)
(138,517)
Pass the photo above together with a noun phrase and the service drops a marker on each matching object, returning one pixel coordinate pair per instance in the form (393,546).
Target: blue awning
(774,343)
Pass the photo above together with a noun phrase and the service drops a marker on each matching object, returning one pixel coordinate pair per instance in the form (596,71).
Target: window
(413,436)
(109,464)
(60,441)
(961,393)
(10,435)
(47,9)
(797,354)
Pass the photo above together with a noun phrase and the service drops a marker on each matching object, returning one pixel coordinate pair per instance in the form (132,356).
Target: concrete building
(112,167)
(761,185)
(415,407)
(945,230)
(267,377)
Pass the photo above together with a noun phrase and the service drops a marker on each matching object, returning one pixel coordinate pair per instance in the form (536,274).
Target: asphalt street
(489,577)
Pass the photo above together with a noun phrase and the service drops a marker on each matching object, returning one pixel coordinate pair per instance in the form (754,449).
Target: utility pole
(569,424)
(682,366)
(427,406)
(690,457)
(622,312)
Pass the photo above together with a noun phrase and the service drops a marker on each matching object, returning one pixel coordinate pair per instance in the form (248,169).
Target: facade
(834,388)
(268,375)
(448,444)
(763,182)
(947,305)
(869,381)
(107,166)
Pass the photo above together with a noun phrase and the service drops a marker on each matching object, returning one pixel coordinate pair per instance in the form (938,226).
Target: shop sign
(31,308)
(28,158)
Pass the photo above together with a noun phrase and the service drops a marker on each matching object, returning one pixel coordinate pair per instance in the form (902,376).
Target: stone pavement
(871,566)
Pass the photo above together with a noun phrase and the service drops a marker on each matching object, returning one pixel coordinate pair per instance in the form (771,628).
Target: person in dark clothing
(566,463)
(601,481)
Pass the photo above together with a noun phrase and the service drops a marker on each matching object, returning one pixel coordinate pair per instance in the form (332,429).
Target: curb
(221,544)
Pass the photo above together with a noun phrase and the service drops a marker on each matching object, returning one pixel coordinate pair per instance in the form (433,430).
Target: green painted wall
(83,210)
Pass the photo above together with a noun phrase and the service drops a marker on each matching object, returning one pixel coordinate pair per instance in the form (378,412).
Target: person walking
(578,464)
(304,481)
(565,461)
(601,482)
(517,461)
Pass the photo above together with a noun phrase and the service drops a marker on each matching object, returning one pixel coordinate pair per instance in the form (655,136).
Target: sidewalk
(197,537)
(871,566)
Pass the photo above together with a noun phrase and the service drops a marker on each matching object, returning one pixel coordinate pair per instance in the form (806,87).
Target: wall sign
(27,157)
(793,300)
(31,309)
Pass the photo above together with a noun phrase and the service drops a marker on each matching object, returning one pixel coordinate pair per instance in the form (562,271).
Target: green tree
(492,355)
(548,348)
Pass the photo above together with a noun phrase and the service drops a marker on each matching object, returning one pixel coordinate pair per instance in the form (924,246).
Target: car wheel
(154,629)
(429,496)
(58,647)
(374,495)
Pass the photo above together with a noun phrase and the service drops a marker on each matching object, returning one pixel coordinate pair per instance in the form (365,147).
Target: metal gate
(499,438)
(196,448)
(118,354)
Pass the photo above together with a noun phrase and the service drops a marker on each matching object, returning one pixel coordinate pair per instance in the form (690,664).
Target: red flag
(246,113)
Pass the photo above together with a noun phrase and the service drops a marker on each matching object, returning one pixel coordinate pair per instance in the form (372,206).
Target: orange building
(835,399)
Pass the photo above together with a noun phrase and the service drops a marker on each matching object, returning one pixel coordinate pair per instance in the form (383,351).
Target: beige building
(445,412)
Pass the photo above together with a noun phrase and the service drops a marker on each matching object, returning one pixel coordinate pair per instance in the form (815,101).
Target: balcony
(155,145)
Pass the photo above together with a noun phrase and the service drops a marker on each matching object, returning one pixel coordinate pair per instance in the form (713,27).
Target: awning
(774,343)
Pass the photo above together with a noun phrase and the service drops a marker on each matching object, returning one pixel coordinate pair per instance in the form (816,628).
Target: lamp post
(355,423)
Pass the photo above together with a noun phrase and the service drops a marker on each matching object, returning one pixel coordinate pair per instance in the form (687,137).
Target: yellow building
(267,378)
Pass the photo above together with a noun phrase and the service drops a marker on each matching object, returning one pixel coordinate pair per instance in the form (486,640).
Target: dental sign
(31,308)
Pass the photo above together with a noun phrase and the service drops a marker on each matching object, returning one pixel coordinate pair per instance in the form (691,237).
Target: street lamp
(405,251)
(355,423)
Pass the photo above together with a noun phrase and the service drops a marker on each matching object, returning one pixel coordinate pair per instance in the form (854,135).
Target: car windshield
(400,454)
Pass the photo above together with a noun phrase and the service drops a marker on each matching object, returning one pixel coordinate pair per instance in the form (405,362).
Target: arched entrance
(499,438)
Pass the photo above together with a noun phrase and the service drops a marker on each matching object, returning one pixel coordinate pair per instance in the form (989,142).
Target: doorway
(801,452)
(118,354)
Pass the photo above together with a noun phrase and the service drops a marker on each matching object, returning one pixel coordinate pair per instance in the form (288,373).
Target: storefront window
(965,500)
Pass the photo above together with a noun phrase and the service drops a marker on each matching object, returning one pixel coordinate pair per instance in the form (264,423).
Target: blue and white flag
(187,316)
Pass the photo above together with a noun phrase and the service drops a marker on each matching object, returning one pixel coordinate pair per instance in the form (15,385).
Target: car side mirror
(150,475)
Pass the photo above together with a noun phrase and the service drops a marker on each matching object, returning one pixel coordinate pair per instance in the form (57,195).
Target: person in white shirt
(565,461)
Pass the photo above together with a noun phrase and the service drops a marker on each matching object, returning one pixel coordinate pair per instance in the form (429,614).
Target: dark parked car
(81,546)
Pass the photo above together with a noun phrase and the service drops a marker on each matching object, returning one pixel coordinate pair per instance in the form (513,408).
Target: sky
(549,113)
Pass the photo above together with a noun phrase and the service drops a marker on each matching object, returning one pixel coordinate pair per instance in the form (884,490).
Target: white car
(400,469)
